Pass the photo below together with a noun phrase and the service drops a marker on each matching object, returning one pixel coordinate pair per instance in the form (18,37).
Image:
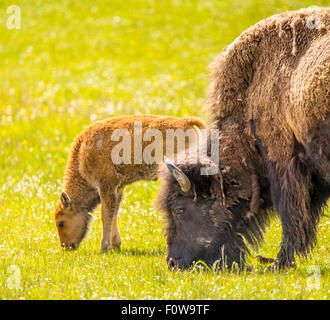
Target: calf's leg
(109,203)
(115,240)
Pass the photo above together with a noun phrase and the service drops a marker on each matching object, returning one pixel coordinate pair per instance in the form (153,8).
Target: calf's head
(72,224)
(199,226)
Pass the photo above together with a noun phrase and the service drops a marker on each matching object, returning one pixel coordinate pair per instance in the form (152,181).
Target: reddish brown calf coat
(92,177)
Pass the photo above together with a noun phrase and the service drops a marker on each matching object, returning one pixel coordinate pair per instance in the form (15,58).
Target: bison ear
(178,174)
(65,200)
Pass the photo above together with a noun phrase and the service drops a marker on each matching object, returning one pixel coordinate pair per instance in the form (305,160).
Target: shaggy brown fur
(91,176)
(270,99)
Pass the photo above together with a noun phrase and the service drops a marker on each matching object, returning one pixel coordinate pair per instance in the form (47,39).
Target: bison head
(72,224)
(199,224)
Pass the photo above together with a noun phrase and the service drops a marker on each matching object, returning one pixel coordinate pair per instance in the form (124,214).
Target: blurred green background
(74,62)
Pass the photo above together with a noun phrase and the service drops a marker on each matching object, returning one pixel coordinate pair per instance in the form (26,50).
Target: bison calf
(101,164)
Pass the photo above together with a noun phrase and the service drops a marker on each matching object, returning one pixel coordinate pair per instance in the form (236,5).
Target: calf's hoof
(115,247)
(115,243)
(105,247)
(112,247)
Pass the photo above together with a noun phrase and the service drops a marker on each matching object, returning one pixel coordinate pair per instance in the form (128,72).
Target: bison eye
(61,224)
(179,211)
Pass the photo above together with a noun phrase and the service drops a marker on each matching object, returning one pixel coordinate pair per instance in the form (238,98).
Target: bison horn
(178,174)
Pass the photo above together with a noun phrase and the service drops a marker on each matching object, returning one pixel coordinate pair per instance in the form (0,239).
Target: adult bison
(269,98)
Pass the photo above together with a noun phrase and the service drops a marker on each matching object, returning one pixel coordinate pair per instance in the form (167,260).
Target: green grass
(73,62)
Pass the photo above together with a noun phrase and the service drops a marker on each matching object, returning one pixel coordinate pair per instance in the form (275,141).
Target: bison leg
(109,205)
(115,240)
(292,197)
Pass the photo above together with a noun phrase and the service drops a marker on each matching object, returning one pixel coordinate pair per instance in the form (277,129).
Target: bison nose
(64,246)
(73,246)
(172,263)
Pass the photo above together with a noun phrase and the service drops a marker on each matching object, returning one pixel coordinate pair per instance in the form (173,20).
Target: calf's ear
(65,200)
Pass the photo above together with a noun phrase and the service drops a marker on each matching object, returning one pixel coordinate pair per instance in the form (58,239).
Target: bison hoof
(105,247)
(115,247)
(276,266)
(264,260)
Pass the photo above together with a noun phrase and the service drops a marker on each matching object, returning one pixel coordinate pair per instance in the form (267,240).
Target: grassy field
(73,62)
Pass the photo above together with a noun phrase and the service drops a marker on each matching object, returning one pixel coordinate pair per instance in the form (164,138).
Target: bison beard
(269,98)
